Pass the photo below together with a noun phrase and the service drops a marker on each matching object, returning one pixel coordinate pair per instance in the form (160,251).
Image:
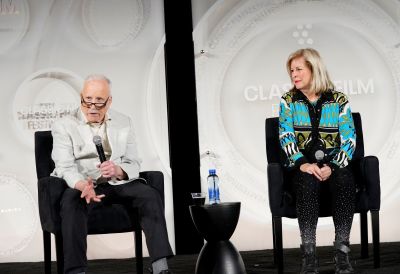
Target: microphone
(99,148)
(319,156)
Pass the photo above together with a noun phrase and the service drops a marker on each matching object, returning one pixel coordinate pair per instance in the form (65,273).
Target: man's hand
(87,189)
(110,170)
(312,169)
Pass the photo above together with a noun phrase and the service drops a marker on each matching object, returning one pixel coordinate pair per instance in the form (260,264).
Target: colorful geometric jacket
(335,129)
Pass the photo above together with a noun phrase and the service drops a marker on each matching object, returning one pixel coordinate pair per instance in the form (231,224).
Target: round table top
(225,204)
(216,222)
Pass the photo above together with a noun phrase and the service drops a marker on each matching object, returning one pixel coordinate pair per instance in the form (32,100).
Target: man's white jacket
(75,155)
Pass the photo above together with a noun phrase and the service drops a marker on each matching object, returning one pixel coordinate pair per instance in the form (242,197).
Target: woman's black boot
(342,262)
(310,261)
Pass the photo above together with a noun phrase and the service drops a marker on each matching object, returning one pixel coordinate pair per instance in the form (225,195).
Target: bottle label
(213,189)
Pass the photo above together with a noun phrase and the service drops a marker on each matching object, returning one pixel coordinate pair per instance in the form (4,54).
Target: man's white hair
(98,77)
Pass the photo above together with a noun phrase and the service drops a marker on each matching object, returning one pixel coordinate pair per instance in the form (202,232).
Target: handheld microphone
(99,148)
(319,156)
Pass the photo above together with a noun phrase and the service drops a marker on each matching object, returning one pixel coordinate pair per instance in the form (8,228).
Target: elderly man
(77,162)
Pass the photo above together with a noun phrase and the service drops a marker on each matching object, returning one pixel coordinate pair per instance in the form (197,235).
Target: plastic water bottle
(213,187)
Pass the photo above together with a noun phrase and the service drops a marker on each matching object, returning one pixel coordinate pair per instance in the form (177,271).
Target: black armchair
(108,218)
(366,173)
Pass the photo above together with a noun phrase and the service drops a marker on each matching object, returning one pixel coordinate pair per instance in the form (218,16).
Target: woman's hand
(321,174)
(312,169)
(326,172)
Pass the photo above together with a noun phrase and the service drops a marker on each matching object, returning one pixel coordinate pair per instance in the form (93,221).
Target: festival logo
(42,98)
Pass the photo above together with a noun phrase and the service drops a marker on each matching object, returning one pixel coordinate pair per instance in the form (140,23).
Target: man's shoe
(342,262)
(162,272)
(166,272)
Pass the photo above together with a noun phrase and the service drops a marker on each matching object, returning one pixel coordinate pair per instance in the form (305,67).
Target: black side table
(216,223)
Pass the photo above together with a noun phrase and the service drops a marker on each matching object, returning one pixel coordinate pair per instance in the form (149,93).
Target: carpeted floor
(257,262)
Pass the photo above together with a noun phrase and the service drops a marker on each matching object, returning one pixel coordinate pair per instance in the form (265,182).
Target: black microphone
(99,148)
(319,156)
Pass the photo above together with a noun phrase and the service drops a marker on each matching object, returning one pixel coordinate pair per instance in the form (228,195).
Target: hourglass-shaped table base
(216,223)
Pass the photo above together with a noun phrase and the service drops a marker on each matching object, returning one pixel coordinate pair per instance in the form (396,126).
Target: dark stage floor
(257,262)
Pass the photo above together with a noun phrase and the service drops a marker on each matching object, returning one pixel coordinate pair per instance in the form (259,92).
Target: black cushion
(43,149)
(50,190)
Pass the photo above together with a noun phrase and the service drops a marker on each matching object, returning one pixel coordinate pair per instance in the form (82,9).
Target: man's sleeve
(63,157)
(130,161)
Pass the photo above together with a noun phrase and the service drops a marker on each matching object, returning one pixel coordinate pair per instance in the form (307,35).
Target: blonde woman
(316,132)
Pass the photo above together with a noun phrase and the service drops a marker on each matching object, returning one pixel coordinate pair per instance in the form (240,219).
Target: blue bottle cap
(211,171)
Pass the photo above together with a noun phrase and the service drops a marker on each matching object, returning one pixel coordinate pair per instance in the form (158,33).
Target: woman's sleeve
(347,135)
(287,136)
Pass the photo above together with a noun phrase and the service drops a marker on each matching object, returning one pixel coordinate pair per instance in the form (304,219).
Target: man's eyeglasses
(97,106)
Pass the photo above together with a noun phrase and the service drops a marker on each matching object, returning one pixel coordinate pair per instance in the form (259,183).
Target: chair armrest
(156,180)
(369,167)
(50,190)
(275,187)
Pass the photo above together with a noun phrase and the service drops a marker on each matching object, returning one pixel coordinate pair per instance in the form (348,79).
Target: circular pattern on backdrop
(240,83)
(43,97)
(14,20)
(18,211)
(111,24)
(241,74)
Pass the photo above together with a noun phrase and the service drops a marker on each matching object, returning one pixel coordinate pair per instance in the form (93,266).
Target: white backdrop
(241,49)
(47,47)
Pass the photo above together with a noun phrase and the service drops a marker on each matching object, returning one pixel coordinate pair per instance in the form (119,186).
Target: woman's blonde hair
(320,81)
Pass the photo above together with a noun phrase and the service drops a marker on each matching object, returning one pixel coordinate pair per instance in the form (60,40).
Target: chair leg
(375,238)
(278,245)
(47,251)
(139,251)
(59,253)
(274,242)
(364,234)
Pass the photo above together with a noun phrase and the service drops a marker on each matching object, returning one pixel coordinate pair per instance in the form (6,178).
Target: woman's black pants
(342,198)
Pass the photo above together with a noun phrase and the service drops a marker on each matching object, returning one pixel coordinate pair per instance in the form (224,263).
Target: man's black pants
(75,211)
